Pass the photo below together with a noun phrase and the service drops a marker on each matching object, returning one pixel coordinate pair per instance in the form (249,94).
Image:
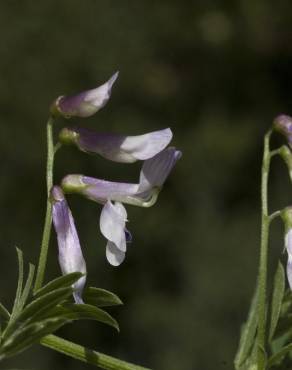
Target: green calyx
(286,155)
(54,109)
(73,184)
(67,136)
(286,215)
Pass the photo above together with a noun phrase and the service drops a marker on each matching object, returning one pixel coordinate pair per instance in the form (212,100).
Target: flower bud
(283,124)
(286,154)
(70,253)
(84,104)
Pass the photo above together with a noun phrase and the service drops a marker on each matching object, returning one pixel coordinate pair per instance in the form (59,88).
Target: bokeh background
(217,73)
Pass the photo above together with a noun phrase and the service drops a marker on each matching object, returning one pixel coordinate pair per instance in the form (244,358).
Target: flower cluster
(151,148)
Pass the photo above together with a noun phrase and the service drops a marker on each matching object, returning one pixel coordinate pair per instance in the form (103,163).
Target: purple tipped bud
(86,103)
(118,148)
(70,253)
(283,124)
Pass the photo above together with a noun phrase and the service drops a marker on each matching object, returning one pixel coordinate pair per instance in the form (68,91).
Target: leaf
(284,323)
(27,287)
(251,362)
(278,294)
(287,303)
(19,283)
(25,337)
(44,303)
(248,333)
(279,342)
(278,357)
(4,312)
(73,311)
(100,297)
(60,282)
(37,308)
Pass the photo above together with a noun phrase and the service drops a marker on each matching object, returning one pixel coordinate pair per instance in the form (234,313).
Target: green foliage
(35,316)
(247,337)
(60,282)
(278,294)
(101,297)
(281,343)
(72,311)
(280,329)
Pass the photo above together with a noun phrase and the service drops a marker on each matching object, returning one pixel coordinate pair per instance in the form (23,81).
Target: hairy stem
(262,277)
(86,355)
(48,220)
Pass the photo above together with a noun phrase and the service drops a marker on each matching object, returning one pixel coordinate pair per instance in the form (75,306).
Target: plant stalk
(262,276)
(48,219)
(86,355)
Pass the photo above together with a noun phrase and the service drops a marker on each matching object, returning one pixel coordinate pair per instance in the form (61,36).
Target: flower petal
(118,148)
(289,271)
(155,170)
(70,253)
(112,224)
(288,246)
(101,190)
(114,255)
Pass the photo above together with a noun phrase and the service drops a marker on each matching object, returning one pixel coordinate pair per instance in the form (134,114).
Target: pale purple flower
(86,103)
(113,216)
(152,176)
(70,253)
(115,147)
(283,124)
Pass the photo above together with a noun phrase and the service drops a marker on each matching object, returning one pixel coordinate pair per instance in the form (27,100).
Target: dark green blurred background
(217,75)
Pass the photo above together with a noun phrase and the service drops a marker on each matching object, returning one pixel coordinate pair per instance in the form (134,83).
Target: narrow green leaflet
(22,338)
(247,334)
(71,311)
(60,282)
(100,297)
(26,290)
(251,362)
(20,281)
(278,294)
(43,304)
(4,312)
(286,303)
(34,310)
(281,341)
(276,358)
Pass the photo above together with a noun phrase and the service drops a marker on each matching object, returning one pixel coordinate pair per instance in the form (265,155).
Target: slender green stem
(48,220)
(262,277)
(86,355)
